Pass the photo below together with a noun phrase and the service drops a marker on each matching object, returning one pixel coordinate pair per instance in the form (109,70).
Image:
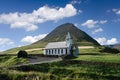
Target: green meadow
(62,71)
(95,55)
(91,64)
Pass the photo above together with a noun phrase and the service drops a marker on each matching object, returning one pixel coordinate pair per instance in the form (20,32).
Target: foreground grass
(63,71)
(6,61)
(19,75)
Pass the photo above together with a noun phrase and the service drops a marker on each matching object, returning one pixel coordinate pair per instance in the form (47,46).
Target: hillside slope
(117,46)
(61,31)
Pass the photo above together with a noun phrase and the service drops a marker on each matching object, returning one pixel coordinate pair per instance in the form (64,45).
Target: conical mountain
(59,34)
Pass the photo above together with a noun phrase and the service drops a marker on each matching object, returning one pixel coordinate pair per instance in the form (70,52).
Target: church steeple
(69,39)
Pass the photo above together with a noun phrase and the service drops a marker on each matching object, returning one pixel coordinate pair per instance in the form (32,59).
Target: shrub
(22,54)
(110,50)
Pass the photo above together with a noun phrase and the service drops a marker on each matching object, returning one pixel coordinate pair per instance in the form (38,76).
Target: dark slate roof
(53,45)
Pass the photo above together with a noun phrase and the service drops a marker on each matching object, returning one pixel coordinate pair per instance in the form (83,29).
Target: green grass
(93,54)
(74,71)
(100,58)
(35,52)
(64,70)
(18,75)
(6,61)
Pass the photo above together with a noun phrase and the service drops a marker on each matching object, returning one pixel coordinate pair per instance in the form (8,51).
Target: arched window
(49,51)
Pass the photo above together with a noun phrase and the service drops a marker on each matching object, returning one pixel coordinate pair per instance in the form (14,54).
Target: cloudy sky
(23,22)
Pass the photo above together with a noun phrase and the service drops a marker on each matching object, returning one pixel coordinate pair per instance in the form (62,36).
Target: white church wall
(60,51)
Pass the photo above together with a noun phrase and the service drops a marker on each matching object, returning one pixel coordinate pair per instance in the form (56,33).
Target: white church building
(60,48)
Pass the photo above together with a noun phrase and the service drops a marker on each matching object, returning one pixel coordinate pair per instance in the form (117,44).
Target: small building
(60,48)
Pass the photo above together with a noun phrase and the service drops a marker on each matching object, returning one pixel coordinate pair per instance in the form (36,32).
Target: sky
(23,22)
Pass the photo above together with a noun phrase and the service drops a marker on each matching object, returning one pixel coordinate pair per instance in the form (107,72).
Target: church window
(66,50)
(61,50)
(49,51)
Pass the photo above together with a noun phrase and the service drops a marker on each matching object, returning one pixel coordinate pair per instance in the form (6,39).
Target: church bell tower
(69,40)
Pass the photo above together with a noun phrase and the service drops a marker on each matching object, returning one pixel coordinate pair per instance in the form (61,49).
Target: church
(61,48)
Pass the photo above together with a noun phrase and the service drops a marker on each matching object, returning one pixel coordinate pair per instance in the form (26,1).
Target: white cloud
(103,21)
(92,23)
(101,40)
(97,30)
(76,24)
(29,21)
(117,11)
(32,39)
(6,41)
(104,41)
(27,26)
(112,41)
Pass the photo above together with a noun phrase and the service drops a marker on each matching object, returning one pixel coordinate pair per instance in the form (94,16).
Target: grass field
(63,71)
(6,61)
(93,54)
(100,58)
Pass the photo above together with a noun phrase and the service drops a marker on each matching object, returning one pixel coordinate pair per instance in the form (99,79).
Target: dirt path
(42,59)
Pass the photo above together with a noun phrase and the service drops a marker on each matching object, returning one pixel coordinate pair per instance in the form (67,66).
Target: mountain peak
(60,32)
(68,24)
